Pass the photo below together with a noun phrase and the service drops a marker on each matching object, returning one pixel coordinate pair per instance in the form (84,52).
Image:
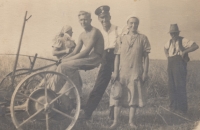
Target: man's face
(104,19)
(85,21)
(133,24)
(174,35)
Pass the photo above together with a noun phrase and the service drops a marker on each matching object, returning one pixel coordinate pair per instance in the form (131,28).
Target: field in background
(151,117)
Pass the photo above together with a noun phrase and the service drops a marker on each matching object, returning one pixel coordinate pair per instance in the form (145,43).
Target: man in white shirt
(176,50)
(110,33)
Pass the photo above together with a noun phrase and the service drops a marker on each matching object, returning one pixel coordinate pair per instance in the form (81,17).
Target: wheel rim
(42,102)
(6,82)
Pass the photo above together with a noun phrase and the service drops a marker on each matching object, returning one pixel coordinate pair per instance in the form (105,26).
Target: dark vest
(186,57)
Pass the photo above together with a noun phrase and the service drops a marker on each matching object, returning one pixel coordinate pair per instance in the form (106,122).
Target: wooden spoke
(47,121)
(60,96)
(62,113)
(46,94)
(35,114)
(31,98)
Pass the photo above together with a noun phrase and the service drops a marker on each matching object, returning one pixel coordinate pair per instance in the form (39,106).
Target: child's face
(70,32)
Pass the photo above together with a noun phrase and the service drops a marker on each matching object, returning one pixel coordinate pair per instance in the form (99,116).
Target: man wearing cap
(176,50)
(110,33)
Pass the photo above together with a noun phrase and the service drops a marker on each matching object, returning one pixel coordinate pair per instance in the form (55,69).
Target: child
(131,54)
(63,43)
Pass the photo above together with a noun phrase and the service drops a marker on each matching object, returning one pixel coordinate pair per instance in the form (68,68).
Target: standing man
(110,33)
(176,50)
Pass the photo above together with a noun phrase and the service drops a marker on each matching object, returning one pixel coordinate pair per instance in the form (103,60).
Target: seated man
(89,58)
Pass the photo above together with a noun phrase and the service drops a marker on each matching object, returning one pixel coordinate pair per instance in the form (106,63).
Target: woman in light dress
(130,70)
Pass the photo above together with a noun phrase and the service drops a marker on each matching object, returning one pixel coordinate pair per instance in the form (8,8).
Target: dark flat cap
(102,9)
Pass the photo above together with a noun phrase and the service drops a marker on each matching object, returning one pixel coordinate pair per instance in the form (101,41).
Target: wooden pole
(18,50)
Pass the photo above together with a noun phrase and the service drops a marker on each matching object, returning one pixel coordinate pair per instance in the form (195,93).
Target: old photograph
(99,65)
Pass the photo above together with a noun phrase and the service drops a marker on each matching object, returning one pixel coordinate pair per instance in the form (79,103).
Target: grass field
(153,116)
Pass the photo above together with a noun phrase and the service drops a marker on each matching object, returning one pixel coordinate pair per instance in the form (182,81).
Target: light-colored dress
(131,50)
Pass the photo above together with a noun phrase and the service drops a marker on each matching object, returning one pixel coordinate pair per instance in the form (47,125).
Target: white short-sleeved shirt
(171,47)
(110,36)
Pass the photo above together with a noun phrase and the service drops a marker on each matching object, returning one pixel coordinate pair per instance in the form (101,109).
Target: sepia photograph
(99,65)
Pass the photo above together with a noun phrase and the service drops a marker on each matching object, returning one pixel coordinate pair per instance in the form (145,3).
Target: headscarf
(62,32)
(126,29)
(65,29)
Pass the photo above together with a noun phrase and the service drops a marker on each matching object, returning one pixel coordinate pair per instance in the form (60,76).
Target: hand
(182,53)
(59,61)
(144,77)
(114,77)
(67,50)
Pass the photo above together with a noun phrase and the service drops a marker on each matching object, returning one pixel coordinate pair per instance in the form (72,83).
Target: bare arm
(116,68)
(86,51)
(116,64)
(56,52)
(189,49)
(192,48)
(146,66)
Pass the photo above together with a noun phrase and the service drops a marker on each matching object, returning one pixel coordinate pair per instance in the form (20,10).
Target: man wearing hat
(110,33)
(176,50)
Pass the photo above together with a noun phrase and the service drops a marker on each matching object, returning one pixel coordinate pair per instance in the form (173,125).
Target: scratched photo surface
(46,21)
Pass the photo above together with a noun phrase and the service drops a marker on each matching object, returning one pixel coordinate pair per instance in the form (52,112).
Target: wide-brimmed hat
(174,28)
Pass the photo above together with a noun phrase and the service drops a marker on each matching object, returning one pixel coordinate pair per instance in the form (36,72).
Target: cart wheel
(6,83)
(45,101)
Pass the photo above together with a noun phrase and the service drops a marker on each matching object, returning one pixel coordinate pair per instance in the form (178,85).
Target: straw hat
(116,90)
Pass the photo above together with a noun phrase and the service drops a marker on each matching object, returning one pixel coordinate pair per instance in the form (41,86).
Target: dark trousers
(177,71)
(101,83)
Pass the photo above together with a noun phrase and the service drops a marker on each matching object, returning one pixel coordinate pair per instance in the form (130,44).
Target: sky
(49,16)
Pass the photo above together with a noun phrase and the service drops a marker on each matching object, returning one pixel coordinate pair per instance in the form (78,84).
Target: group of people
(123,56)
